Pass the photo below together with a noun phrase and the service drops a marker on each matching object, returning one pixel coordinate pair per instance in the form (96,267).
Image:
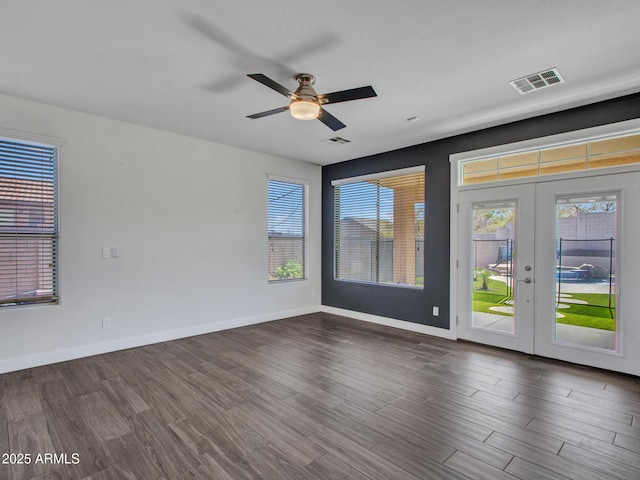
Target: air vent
(337,140)
(536,81)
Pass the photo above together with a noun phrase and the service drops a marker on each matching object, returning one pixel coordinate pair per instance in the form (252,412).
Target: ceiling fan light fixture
(304,110)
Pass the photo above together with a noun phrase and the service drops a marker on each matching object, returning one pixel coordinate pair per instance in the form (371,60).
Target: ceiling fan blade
(347,95)
(268,112)
(330,121)
(263,79)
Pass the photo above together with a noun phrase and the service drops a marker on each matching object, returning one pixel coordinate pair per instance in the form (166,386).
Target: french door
(553,268)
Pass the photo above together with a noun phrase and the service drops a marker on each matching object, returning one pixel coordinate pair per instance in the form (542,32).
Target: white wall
(189,219)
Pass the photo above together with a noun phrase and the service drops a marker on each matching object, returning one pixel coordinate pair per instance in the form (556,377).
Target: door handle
(525,280)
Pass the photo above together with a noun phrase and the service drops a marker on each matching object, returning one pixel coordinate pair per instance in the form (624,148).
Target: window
(287,205)
(28,223)
(379,228)
(570,157)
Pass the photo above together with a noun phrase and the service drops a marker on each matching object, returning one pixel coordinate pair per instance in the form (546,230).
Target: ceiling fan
(306,104)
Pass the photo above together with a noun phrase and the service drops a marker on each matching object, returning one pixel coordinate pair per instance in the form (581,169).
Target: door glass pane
(585,296)
(493,301)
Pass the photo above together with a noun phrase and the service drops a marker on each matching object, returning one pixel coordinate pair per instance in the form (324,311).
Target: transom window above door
(610,151)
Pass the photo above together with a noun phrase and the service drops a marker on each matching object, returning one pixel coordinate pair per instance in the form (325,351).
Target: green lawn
(595,314)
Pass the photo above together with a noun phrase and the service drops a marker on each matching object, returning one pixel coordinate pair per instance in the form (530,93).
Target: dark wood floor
(319,397)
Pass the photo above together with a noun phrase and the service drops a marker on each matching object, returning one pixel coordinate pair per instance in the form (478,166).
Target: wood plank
(107,474)
(124,397)
(21,400)
(472,410)
(46,373)
(628,443)
(549,461)
(129,459)
(99,369)
(57,399)
(302,378)
(332,468)
(571,407)
(550,417)
(277,466)
(217,450)
(102,417)
(79,382)
(579,417)
(360,458)
(400,434)
(71,434)
(208,387)
(629,406)
(618,467)
(182,392)
(230,430)
(30,435)
(131,372)
(474,468)
(262,382)
(449,422)
(457,440)
(212,470)
(162,401)
(171,457)
(285,439)
(291,417)
(530,471)
(416,461)
(340,422)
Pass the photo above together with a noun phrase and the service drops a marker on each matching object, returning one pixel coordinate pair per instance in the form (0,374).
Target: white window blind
(287,212)
(379,228)
(28,223)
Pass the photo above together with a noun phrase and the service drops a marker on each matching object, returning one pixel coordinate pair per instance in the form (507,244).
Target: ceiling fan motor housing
(305,89)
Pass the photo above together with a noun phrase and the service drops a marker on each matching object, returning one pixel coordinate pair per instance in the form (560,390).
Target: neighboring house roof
(368,223)
(13,190)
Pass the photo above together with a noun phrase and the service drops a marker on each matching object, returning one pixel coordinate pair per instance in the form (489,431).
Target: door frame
(455,160)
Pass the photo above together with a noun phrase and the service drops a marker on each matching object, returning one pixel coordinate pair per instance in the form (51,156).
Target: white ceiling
(181,65)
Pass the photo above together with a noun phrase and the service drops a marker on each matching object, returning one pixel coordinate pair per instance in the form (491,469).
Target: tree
(488,220)
(569,210)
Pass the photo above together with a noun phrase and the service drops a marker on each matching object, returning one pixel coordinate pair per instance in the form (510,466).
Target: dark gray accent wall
(414,305)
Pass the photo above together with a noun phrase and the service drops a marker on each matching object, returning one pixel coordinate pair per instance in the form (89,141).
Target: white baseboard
(74,353)
(391,322)
(56,356)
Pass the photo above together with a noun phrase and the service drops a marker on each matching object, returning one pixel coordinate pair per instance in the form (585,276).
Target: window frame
(25,139)
(419,169)
(305,184)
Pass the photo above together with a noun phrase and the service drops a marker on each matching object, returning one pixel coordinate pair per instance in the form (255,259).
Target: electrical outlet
(436,311)
(106,322)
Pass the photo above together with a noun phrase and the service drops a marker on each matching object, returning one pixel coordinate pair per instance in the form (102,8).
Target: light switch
(106,252)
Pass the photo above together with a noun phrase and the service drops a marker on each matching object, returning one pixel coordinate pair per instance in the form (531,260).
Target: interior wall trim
(391,322)
(48,358)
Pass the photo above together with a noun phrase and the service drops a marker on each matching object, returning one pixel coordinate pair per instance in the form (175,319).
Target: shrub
(291,269)
(483,274)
